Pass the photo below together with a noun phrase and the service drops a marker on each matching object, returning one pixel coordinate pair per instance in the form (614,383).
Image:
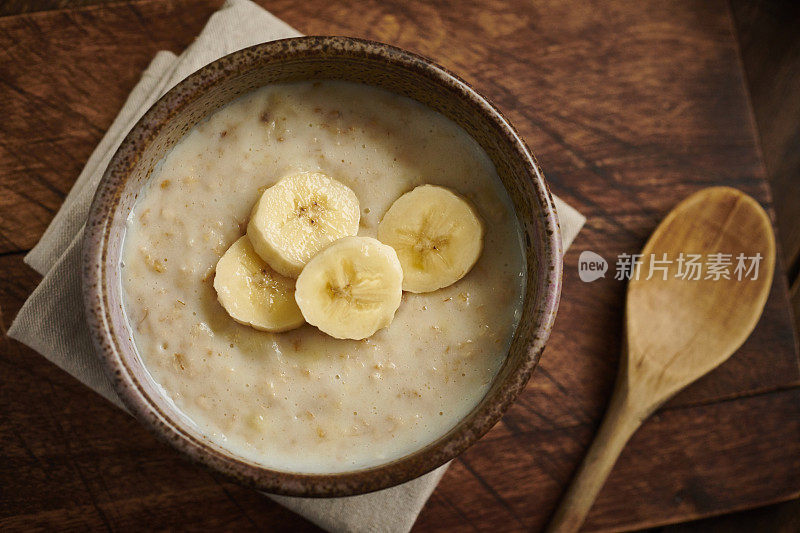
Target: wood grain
(770,49)
(53,65)
(629,107)
(655,478)
(15,7)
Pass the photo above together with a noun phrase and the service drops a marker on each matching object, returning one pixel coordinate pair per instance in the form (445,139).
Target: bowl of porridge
(322,266)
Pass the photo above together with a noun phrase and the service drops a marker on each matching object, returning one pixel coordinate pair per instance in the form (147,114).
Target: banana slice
(299,216)
(254,294)
(437,234)
(351,289)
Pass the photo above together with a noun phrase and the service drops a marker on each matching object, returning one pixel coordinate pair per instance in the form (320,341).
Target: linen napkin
(52,319)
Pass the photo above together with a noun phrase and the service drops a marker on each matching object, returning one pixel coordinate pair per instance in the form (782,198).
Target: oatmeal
(300,400)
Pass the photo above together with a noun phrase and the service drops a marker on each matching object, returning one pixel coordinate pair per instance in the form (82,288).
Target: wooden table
(629,106)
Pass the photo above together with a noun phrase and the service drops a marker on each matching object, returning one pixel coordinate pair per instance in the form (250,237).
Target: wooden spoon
(677,330)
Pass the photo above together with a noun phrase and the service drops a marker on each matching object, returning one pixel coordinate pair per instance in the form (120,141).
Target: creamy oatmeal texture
(302,401)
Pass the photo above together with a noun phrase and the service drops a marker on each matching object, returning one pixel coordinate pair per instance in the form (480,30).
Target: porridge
(303,400)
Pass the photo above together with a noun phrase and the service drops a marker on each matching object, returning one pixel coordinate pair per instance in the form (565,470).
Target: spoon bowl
(680,328)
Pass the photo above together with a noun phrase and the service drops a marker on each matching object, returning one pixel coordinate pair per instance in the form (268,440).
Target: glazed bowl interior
(292,60)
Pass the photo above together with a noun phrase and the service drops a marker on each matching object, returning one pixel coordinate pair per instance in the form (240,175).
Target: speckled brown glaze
(311,58)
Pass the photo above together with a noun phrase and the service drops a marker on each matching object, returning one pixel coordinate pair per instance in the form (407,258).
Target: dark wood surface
(770,50)
(629,108)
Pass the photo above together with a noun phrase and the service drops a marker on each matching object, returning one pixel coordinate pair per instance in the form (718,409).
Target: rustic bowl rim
(113,358)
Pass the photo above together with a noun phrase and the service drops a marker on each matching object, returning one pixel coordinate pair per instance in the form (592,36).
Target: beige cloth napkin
(58,301)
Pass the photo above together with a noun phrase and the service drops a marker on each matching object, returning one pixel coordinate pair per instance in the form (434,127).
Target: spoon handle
(620,422)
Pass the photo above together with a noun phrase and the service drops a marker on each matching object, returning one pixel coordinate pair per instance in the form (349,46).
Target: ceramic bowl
(290,60)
